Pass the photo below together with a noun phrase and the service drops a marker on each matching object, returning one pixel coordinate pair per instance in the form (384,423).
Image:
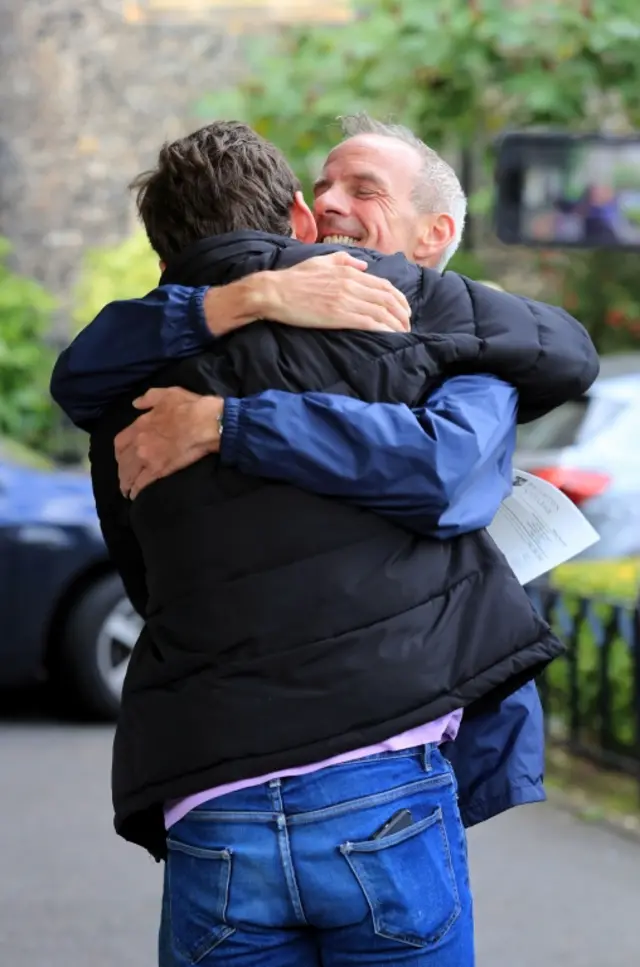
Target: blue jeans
(291,874)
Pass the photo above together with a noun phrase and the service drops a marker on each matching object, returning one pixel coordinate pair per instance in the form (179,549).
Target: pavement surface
(550,889)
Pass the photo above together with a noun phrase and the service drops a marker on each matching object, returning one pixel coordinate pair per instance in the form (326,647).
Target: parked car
(63,610)
(590,450)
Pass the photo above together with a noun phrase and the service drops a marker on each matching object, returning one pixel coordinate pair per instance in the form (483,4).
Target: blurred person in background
(290,758)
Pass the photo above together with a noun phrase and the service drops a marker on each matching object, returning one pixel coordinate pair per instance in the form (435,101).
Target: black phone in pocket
(399,821)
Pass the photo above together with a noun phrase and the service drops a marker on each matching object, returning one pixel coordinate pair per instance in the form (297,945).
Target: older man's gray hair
(438,188)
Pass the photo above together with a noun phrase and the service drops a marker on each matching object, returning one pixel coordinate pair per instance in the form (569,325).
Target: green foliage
(589,661)
(458,69)
(467,263)
(459,73)
(615,580)
(26,411)
(124,271)
(602,289)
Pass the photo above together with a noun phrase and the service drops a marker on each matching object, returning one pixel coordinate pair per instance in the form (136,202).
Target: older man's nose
(333,201)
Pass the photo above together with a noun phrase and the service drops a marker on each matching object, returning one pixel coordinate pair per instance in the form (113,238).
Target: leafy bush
(125,271)
(615,580)
(26,411)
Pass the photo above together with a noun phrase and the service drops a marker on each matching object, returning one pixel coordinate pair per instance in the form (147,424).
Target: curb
(626,826)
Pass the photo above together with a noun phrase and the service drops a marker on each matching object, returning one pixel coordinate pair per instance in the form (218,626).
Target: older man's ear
(437,234)
(303,224)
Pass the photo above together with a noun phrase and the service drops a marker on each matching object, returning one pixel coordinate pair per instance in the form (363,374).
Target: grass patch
(594,793)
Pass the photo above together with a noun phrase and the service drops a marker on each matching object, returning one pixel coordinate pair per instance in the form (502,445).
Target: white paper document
(538,527)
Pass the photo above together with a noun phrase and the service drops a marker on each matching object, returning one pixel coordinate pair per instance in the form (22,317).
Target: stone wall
(87,98)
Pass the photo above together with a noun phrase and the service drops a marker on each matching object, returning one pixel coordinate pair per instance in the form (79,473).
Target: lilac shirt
(440,730)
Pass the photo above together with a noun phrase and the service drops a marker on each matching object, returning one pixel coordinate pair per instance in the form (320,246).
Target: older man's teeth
(340,240)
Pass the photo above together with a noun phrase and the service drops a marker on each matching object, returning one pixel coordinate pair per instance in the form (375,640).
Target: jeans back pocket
(198,881)
(409,882)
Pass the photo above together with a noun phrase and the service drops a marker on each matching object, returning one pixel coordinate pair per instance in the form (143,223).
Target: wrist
(265,295)
(208,429)
(233,306)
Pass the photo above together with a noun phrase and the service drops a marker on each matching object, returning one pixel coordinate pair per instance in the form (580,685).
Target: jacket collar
(212,261)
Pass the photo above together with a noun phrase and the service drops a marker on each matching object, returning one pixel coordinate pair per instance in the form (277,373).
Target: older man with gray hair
(309,649)
(426,196)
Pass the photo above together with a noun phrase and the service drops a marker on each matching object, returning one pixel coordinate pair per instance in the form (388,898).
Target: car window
(601,415)
(554,430)
(570,424)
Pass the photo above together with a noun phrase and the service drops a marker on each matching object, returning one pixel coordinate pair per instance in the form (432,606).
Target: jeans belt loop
(427,750)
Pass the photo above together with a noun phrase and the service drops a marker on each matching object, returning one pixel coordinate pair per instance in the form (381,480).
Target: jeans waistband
(334,790)
(424,753)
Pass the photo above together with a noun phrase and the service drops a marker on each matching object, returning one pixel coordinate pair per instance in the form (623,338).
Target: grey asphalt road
(550,890)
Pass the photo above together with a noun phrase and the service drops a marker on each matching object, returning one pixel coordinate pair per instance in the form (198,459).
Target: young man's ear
(437,235)
(303,224)
(163,266)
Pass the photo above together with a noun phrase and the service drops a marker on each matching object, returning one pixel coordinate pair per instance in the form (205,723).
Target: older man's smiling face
(364,196)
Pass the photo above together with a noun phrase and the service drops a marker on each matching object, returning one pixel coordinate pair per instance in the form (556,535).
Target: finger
(126,440)
(370,289)
(149,399)
(401,314)
(127,476)
(381,307)
(142,480)
(130,463)
(345,259)
(369,323)
(400,299)
(397,308)
(131,434)
(125,482)
(384,316)
(386,320)
(375,284)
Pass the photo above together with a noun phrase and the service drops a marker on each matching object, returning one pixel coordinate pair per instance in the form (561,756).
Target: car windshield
(570,424)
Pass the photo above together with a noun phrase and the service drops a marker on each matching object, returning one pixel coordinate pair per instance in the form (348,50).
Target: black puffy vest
(284,627)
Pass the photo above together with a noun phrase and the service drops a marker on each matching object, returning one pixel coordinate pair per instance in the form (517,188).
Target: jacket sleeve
(439,470)
(113,513)
(568,363)
(126,343)
(546,354)
(498,757)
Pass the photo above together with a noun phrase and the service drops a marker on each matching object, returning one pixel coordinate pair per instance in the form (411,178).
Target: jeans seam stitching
(286,858)
(431,781)
(377,799)
(205,947)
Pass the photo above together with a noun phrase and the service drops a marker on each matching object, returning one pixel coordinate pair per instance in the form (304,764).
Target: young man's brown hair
(222,178)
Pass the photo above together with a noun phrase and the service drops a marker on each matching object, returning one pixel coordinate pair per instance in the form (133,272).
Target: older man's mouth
(340,240)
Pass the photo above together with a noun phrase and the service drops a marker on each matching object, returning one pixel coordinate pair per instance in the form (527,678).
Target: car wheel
(97,640)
